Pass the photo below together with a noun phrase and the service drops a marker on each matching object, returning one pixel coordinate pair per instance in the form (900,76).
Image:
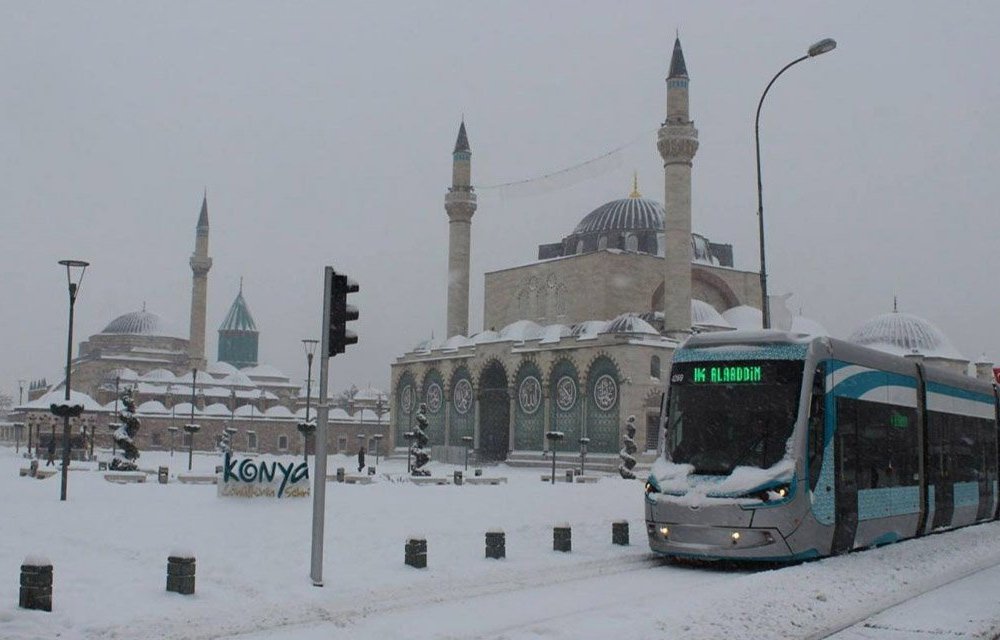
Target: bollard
(36,585)
(371,471)
(458,478)
(496,544)
(415,553)
(218,468)
(562,538)
(34,468)
(180,574)
(340,474)
(163,475)
(479,472)
(619,532)
(569,475)
(102,466)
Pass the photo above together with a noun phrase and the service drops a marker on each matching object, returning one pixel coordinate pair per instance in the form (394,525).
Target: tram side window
(988,435)
(887,443)
(939,448)
(964,440)
(817,414)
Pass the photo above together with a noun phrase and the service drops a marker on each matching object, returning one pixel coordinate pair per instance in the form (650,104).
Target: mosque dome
(630,323)
(904,334)
(140,323)
(626,214)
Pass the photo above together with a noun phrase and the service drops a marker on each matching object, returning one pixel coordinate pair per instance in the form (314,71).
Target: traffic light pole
(322,414)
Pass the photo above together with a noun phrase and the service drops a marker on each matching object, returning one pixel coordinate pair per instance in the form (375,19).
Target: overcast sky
(323,133)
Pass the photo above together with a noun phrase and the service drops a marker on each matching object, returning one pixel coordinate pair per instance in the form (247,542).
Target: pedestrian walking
(361,459)
(52,453)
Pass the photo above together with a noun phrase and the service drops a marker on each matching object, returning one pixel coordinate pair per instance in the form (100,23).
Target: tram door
(846,492)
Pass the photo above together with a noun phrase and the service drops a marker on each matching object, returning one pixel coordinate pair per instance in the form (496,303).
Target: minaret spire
(200,265)
(677,142)
(460,204)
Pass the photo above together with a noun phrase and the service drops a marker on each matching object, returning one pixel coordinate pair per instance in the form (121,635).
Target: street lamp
(307,427)
(823,46)
(378,445)
(583,454)
(20,391)
(173,432)
(114,425)
(18,428)
(409,436)
(192,428)
(74,269)
(553,437)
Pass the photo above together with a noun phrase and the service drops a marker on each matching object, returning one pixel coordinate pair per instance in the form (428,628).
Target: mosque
(581,340)
(174,383)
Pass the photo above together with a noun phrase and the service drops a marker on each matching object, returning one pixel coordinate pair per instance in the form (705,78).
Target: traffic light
(341,313)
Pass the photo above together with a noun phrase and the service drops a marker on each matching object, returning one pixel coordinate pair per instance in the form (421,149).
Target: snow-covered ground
(109,544)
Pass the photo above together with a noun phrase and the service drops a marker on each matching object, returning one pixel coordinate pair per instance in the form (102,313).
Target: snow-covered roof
(203,378)
(905,334)
(158,375)
(456,342)
(588,330)
(239,379)
(428,345)
(808,326)
(247,410)
(279,411)
(141,323)
(217,409)
(184,409)
(151,406)
(705,315)
(59,397)
(629,323)
(367,415)
(485,336)
(744,317)
(221,369)
(554,333)
(370,393)
(122,373)
(520,331)
(264,371)
(338,414)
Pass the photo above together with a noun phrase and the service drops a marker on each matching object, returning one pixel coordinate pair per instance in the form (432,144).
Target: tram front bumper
(707,541)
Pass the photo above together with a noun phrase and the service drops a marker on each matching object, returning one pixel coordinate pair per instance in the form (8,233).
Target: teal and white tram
(780,446)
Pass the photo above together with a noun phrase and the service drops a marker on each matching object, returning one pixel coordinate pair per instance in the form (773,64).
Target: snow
(109,544)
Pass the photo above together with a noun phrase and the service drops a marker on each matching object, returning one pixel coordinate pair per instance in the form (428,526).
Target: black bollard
(496,544)
(562,538)
(36,585)
(163,475)
(458,478)
(415,553)
(569,475)
(619,532)
(340,474)
(180,574)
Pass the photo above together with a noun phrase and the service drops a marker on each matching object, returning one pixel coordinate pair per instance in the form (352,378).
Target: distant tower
(677,142)
(460,203)
(238,335)
(200,264)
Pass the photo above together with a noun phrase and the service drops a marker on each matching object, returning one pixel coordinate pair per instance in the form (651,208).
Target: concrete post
(415,553)
(562,538)
(180,574)
(496,544)
(36,585)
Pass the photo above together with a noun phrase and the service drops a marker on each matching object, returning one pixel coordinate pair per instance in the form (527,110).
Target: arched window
(602,243)
(654,367)
(579,246)
(631,242)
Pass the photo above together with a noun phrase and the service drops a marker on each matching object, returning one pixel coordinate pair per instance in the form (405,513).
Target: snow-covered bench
(587,479)
(192,478)
(357,479)
(484,480)
(125,477)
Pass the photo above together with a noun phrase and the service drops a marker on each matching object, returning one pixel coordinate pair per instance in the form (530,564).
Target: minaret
(200,264)
(677,142)
(460,203)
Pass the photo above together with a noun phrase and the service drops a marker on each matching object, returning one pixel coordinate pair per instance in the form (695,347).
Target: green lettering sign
(727,375)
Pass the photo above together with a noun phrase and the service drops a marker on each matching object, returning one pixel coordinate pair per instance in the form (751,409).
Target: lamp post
(31,428)
(20,391)
(553,437)
(309,346)
(114,425)
(409,436)
(378,445)
(583,454)
(821,47)
(173,417)
(192,428)
(74,268)
(173,433)
(467,440)
(18,428)
(232,418)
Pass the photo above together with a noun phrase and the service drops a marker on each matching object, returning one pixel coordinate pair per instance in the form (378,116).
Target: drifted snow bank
(812,599)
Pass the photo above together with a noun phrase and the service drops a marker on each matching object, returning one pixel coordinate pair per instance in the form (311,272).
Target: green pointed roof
(239,317)
(462,143)
(677,67)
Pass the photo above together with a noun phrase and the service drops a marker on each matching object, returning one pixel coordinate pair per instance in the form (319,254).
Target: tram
(784,447)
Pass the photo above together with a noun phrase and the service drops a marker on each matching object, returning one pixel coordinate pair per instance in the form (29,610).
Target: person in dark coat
(361,459)
(52,453)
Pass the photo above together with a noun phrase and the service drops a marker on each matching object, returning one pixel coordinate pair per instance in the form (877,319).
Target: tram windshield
(723,415)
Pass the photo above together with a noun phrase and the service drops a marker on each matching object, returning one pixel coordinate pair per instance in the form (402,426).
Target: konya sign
(253,478)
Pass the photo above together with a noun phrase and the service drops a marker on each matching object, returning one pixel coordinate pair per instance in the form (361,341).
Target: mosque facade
(578,341)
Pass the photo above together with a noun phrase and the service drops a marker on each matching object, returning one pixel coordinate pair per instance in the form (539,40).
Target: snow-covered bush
(628,450)
(125,435)
(419,444)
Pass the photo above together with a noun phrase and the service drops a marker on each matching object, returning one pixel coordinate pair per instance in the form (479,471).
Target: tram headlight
(735,535)
(664,531)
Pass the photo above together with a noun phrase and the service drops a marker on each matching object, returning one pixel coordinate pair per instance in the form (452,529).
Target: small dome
(184,409)
(122,373)
(520,331)
(428,345)
(158,375)
(903,334)
(217,409)
(485,336)
(744,317)
(456,342)
(238,379)
(338,414)
(588,330)
(265,371)
(626,214)
(221,369)
(630,323)
(247,410)
(808,326)
(141,323)
(279,411)
(705,315)
(554,333)
(151,406)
